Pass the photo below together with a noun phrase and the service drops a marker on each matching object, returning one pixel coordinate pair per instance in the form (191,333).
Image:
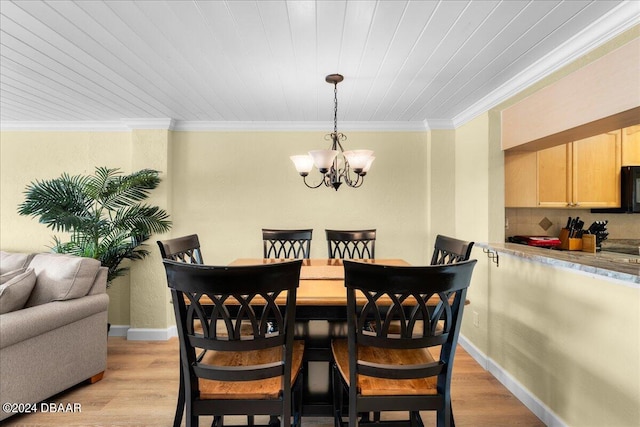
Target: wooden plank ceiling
(432,63)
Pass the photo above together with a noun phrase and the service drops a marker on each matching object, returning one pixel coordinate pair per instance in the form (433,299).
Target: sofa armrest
(29,322)
(100,283)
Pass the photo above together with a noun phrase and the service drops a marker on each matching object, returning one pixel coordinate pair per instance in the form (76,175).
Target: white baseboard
(474,351)
(118,330)
(535,405)
(143,334)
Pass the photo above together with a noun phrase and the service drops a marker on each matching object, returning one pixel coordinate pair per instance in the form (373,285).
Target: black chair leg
(336,383)
(453,424)
(274,421)
(445,417)
(296,401)
(177,419)
(416,420)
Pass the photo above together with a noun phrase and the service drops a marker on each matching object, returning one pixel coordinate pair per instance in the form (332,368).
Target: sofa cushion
(5,277)
(15,289)
(61,277)
(12,261)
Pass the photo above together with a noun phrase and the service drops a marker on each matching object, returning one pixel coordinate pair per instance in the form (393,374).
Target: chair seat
(239,390)
(372,386)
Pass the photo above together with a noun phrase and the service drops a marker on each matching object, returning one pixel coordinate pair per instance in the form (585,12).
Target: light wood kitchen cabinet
(631,146)
(554,176)
(581,174)
(520,179)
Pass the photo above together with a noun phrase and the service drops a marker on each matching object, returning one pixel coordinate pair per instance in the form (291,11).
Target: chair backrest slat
(286,244)
(351,244)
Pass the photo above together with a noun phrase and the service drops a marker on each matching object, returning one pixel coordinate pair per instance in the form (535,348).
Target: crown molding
(239,126)
(122,125)
(609,26)
(148,124)
(439,124)
(47,126)
(297,126)
(127,125)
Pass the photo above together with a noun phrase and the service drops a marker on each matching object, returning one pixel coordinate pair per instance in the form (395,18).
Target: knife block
(589,243)
(568,243)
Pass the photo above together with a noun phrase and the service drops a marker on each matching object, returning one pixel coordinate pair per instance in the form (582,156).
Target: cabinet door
(520,179)
(631,146)
(596,165)
(554,176)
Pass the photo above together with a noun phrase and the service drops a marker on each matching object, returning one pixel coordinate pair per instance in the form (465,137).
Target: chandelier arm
(304,179)
(358,183)
(349,181)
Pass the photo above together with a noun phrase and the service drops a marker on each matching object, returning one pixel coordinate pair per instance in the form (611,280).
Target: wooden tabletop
(321,280)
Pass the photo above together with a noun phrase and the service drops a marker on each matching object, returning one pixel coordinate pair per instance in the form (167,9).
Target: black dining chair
(286,243)
(182,249)
(236,339)
(351,244)
(386,368)
(448,250)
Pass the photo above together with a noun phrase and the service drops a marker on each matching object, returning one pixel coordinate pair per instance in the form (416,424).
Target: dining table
(321,314)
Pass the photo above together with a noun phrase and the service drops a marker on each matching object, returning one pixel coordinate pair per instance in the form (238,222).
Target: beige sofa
(53,325)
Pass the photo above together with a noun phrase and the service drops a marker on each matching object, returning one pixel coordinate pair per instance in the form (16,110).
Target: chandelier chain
(335,108)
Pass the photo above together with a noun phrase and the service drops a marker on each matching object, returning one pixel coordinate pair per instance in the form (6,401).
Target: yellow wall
(472,216)
(571,339)
(229,185)
(225,186)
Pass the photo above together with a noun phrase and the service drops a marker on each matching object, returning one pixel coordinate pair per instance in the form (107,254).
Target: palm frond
(122,191)
(143,220)
(60,203)
(102,212)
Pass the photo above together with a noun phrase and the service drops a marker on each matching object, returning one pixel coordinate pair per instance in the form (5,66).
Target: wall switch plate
(476,319)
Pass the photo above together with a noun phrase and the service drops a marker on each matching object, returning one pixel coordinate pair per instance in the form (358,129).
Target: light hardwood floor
(141,382)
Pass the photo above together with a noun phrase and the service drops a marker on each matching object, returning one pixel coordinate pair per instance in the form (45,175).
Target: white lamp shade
(323,158)
(303,163)
(358,159)
(368,165)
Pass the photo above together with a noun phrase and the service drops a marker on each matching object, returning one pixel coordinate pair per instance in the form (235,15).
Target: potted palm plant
(102,213)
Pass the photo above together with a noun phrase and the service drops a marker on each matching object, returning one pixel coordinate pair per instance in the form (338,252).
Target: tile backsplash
(548,222)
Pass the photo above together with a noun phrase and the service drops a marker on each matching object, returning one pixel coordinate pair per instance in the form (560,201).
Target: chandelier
(335,165)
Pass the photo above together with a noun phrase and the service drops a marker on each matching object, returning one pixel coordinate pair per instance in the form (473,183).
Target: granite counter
(613,265)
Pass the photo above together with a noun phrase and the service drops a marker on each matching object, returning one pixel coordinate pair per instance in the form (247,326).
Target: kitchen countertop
(620,266)
(623,246)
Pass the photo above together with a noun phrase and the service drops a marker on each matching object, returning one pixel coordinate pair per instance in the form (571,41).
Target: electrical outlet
(506,223)
(476,319)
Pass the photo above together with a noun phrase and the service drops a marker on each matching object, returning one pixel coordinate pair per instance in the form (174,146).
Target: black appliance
(630,192)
